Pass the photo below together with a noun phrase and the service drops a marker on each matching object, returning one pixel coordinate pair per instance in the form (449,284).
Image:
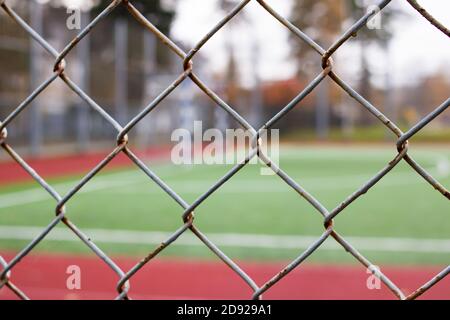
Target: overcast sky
(417,48)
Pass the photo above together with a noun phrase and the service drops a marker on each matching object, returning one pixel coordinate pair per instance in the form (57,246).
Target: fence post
(82,128)
(147,131)
(36,128)
(256,109)
(121,69)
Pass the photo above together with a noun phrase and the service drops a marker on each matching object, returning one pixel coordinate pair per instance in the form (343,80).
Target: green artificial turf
(402,205)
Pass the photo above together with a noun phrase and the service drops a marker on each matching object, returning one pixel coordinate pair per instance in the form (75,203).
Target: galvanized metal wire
(187,223)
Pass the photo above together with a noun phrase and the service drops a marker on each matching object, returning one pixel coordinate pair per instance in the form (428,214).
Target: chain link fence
(187,223)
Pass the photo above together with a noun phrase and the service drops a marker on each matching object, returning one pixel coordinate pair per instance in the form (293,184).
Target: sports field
(253,218)
(401,220)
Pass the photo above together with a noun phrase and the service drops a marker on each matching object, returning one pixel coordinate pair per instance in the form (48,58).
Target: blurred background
(254,64)
(331,146)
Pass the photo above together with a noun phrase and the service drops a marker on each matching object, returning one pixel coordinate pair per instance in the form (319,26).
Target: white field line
(121,179)
(12,199)
(368,154)
(38,194)
(258,186)
(381,244)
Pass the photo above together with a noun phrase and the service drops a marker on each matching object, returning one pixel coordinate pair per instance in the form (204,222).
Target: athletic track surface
(43,276)
(11,172)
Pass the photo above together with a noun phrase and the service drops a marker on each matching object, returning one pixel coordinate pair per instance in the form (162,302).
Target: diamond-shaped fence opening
(187,220)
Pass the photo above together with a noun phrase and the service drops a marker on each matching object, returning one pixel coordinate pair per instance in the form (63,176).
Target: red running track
(51,167)
(44,277)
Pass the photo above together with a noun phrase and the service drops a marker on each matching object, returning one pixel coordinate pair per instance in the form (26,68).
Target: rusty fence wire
(187,223)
